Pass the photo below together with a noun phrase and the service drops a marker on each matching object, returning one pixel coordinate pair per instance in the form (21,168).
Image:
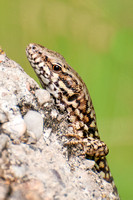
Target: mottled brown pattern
(71,95)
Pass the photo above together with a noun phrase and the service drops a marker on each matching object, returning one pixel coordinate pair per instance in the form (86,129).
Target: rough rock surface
(34,163)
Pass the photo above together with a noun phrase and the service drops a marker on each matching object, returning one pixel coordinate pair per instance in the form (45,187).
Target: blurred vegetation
(96,38)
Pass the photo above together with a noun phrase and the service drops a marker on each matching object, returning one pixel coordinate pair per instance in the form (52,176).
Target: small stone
(18,171)
(34,123)
(3,141)
(43,96)
(47,132)
(54,114)
(3,117)
(15,127)
(59,117)
(88,163)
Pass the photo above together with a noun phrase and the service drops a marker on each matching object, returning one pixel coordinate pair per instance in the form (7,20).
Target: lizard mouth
(36,60)
(31,53)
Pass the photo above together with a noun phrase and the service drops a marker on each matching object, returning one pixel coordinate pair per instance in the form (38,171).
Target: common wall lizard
(71,94)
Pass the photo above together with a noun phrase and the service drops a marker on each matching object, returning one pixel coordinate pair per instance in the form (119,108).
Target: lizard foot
(91,147)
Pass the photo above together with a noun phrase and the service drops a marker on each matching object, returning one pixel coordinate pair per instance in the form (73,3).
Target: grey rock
(41,170)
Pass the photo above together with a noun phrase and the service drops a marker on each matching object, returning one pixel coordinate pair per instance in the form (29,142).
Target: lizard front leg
(91,147)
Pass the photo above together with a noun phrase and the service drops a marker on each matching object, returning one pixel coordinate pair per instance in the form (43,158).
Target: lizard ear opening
(56,68)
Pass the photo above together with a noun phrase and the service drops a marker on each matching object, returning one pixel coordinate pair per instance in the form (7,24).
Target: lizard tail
(102,167)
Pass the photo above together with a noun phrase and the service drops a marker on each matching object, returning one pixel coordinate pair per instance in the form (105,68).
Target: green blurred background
(96,38)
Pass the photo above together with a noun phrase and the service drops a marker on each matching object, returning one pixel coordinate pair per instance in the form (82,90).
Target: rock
(34,162)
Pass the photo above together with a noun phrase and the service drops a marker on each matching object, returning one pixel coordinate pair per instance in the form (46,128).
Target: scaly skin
(71,95)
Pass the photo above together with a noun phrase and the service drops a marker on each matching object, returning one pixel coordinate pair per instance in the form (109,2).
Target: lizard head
(54,73)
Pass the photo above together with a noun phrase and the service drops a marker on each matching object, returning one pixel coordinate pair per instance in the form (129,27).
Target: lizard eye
(33,47)
(56,68)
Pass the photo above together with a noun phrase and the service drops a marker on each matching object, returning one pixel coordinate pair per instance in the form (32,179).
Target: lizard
(71,95)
